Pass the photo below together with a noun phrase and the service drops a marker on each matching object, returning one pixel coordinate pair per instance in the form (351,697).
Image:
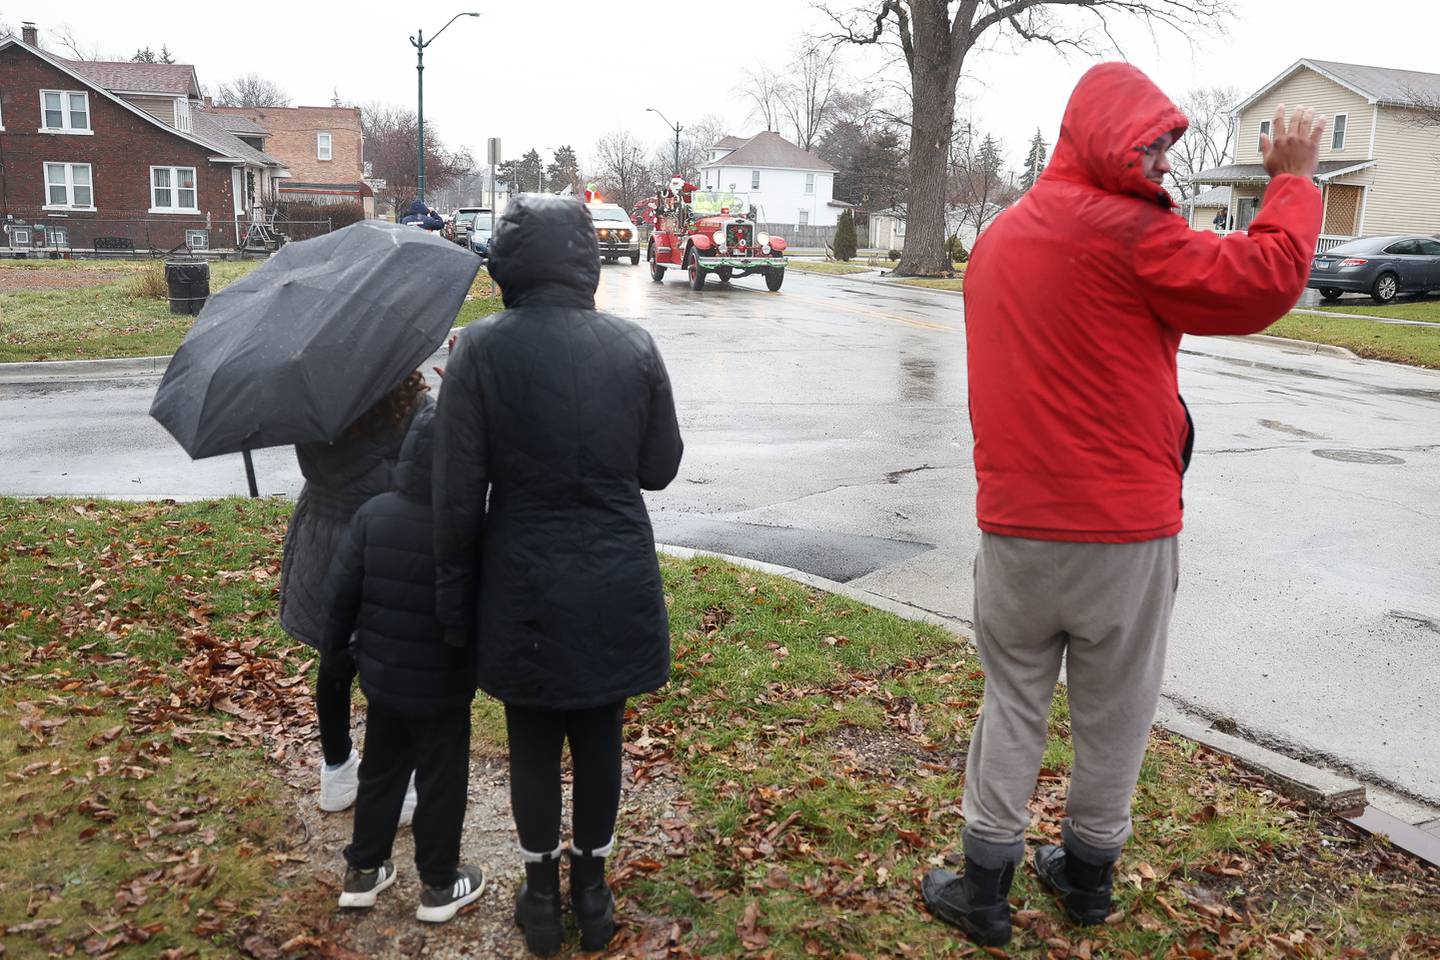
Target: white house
(787,185)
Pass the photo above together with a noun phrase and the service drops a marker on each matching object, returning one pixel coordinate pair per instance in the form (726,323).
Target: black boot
(537,908)
(1084,888)
(592,901)
(974,901)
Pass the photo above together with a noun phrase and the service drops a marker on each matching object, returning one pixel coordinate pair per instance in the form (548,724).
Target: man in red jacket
(1075,302)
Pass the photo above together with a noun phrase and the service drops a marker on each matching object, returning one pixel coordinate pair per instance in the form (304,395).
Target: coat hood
(1113,114)
(412,473)
(544,251)
(418,208)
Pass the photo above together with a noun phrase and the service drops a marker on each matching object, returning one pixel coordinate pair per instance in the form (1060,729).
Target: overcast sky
(548,72)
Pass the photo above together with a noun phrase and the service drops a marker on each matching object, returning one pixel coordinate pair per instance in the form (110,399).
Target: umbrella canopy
(299,349)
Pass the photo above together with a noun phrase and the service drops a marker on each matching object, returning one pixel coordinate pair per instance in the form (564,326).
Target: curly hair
(393,409)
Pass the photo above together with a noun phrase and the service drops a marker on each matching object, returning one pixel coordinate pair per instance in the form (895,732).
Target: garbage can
(189,282)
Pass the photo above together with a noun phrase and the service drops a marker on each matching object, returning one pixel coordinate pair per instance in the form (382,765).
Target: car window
(1430,248)
(1403,248)
(482,221)
(601,213)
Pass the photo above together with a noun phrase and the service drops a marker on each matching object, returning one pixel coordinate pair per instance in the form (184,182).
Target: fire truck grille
(739,235)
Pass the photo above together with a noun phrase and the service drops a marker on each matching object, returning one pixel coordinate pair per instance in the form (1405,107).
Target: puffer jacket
(561,415)
(339,478)
(381,586)
(421,216)
(1075,302)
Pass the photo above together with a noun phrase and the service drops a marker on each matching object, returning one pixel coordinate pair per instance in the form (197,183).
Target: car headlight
(719,237)
(762,239)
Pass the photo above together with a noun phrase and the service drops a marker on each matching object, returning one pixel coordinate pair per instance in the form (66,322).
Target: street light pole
(677,128)
(420,43)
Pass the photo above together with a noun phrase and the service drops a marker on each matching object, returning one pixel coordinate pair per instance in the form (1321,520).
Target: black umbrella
(299,349)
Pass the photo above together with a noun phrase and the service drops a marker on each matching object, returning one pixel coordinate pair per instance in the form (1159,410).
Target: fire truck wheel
(657,272)
(773,278)
(696,272)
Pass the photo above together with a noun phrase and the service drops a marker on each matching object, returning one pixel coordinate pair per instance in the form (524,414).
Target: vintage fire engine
(726,243)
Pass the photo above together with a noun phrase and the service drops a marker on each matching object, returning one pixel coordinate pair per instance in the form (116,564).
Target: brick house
(322,147)
(98,149)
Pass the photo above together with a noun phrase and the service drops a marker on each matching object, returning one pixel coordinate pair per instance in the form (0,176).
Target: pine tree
(165,55)
(1034,162)
(845,241)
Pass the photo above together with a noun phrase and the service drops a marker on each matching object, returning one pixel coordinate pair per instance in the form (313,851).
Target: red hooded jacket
(1075,302)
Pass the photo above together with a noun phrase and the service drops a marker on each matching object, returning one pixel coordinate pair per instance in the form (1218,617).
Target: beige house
(1379,167)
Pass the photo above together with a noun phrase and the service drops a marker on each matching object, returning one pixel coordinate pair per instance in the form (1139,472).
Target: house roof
(210,128)
(1385,85)
(174,79)
(1255,172)
(729,143)
(771,150)
(238,124)
(1214,197)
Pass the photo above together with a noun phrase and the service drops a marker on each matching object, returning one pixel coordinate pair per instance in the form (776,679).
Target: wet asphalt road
(826,429)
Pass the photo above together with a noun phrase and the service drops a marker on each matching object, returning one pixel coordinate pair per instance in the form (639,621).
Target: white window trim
(1335,130)
(182,108)
(809,184)
(174,189)
(754,179)
(1264,132)
(329,145)
(65,114)
(69,185)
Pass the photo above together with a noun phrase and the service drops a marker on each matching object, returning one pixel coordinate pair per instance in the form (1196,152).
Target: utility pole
(677,128)
(420,43)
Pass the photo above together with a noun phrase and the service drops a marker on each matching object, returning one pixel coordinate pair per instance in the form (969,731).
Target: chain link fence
(103,237)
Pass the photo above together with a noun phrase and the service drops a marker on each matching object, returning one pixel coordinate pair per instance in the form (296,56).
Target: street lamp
(673,126)
(420,43)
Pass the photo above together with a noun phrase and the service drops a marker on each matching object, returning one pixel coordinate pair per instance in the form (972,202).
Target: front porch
(1342,190)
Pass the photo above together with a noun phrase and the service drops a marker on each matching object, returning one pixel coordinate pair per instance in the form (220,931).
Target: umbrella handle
(250,473)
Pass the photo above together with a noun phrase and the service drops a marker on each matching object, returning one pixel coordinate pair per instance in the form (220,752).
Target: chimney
(209,101)
(29,34)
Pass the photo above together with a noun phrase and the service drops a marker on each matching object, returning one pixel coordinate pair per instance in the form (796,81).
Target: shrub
(148,283)
(892,254)
(956,249)
(845,241)
(339,215)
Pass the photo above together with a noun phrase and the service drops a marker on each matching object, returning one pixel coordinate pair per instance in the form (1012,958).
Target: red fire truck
(726,243)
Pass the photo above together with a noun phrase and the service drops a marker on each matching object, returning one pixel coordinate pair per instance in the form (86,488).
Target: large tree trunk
(932,85)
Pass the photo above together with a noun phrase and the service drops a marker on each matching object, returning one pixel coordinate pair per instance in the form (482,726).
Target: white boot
(339,786)
(407,809)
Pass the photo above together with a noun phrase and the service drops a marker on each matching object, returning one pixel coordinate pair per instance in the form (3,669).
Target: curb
(80,370)
(1301,346)
(1399,321)
(1322,790)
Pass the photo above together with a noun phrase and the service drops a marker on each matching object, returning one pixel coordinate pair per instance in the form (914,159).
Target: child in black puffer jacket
(381,587)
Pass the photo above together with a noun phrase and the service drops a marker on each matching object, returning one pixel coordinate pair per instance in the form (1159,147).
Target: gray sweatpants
(1105,608)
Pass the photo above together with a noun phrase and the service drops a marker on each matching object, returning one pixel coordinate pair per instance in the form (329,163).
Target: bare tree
(621,168)
(390,135)
(934,41)
(807,99)
(251,90)
(1210,138)
(68,41)
(695,143)
(764,89)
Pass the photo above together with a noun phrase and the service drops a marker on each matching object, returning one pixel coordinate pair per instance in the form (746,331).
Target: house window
(182,114)
(1264,132)
(809,183)
(1337,139)
(172,190)
(197,239)
(65,111)
(754,179)
(804,218)
(68,187)
(322,146)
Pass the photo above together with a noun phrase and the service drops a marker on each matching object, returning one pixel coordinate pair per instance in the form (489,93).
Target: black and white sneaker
(363,886)
(439,904)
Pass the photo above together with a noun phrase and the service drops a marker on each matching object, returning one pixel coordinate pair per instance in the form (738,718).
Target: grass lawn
(87,309)
(1420,308)
(827,267)
(1401,343)
(934,283)
(816,748)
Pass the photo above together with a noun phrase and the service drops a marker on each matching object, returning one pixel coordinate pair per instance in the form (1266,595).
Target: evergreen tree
(563,171)
(1034,162)
(845,241)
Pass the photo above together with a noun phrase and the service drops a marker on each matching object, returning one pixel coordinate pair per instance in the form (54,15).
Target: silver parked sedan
(1383,267)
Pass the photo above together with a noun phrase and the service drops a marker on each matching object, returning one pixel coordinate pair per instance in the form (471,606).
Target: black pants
(437,749)
(536,740)
(333,681)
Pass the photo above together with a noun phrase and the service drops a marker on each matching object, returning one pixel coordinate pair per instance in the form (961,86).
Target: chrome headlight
(719,237)
(762,239)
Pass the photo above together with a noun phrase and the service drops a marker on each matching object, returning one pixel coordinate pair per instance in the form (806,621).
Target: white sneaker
(407,809)
(339,786)
(361,889)
(440,904)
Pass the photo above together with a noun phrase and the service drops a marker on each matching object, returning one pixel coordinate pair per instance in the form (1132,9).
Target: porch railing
(1326,243)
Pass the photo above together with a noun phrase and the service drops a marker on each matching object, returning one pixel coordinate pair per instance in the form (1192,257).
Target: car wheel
(695,271)
(635,258)
(773,279)
(1329,293)
(657,272)
(1387,287)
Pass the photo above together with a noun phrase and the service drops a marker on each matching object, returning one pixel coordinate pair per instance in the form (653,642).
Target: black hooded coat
(558,415)
(381,586)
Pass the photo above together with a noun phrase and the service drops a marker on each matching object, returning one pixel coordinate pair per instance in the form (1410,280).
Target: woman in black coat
(560,415)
